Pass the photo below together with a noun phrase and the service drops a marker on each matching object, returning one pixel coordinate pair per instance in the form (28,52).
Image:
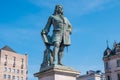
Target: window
(21,71)
(13,70)
(118,63)
(5,69)
(9,69)
(27,72)
(13,77)
(26,78)
(6,57)
(0,54)
(13,64)
(21,78)
(17,78)
(118,76)
(9,76)
(14,58)
(106,65)
(17,71)
(108,77)
(4,76)
(5,63)
(22,64)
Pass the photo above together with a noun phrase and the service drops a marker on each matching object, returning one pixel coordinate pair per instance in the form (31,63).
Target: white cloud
(78,7)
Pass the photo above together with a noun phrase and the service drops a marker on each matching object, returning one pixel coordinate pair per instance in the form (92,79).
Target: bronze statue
(61,33)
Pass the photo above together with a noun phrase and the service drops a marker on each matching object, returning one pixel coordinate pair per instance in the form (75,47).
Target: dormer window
(108,52)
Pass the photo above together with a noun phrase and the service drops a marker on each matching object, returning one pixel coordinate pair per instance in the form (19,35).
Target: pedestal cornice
(57,69)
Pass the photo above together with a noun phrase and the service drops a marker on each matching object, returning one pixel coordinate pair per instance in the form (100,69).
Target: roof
(7,48)
(92,73)
(111,52)
(107,52)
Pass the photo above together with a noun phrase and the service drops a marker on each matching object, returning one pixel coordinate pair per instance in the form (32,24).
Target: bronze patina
(60,37)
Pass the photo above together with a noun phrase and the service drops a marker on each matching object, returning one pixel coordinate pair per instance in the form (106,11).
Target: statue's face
(59,9)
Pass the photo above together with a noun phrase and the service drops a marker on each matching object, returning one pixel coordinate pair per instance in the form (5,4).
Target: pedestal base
(57,72)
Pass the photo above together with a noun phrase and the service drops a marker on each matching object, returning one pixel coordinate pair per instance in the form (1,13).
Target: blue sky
(93,21)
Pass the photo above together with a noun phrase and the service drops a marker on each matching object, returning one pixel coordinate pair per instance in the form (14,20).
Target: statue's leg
(60,54)
(55,50)
(51,56)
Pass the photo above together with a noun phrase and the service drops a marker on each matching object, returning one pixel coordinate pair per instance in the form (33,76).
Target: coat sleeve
(48,25)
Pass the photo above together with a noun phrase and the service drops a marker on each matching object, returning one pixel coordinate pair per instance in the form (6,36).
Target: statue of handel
(61,33)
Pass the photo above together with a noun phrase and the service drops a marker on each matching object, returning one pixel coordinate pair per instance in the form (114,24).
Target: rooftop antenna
(114,43)
(107,43)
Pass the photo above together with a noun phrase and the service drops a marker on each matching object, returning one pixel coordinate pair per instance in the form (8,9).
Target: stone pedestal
(57,72)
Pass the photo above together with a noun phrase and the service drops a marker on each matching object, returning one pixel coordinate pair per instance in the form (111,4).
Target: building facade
(13,66)
(111,60)
(92,75)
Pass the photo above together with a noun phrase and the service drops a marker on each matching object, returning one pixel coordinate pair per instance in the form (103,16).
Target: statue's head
(58,9)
